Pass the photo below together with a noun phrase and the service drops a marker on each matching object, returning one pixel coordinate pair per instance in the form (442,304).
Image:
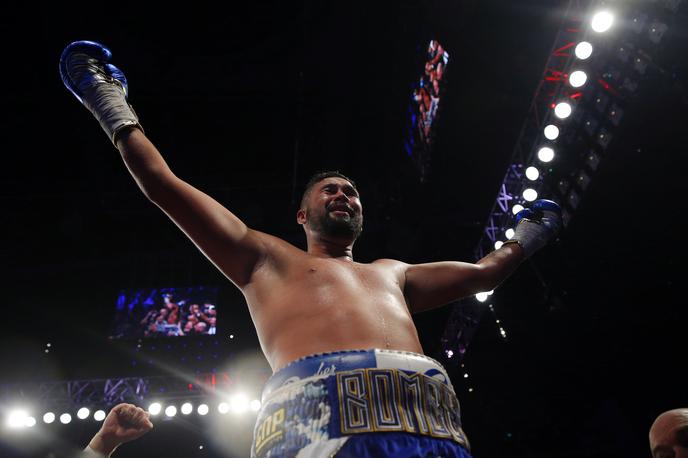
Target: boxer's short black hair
(318,177)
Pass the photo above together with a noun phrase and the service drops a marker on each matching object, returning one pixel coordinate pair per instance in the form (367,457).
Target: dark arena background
(438,110)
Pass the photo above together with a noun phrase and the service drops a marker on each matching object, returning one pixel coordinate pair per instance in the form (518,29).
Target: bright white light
(223,408)
(482,297)
(49,417)
(65,418)
(30,422)
(255,405)
(578,78)
(530,194)
(551,132)
(239,403)
(99,415)
(155,408)
(450,353)
(546,154)
(465,375)
(509,234)
(170,411)
(498,244)
(83,413)
(516,208)
(187,408)
(583,50)
(203,409)
(17,419)
(490,293)
(602,21)
(562,110)
(470,390)
(532,173)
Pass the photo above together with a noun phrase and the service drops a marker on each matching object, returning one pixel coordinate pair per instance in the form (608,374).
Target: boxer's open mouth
(341,208)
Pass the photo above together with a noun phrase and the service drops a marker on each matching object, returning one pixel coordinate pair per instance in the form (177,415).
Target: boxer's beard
(348,228)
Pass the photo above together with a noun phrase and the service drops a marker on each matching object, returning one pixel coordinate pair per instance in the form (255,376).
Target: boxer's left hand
(537,225)
(124,423)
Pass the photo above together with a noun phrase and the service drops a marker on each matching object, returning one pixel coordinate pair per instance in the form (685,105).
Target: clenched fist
(124,423)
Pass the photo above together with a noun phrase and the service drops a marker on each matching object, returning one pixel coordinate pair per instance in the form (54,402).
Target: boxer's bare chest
(311,305)
(318,281)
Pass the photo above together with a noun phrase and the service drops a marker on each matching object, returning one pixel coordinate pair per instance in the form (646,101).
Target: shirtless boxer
(350,378)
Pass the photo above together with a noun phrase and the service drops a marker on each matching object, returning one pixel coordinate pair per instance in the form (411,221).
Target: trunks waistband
(323,365)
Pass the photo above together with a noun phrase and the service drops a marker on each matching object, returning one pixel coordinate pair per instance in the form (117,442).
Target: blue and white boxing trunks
(362,404)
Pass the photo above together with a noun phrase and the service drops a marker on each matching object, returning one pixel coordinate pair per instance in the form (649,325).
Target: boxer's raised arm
(87,71)
(221,236)
(431,285)
(435,284)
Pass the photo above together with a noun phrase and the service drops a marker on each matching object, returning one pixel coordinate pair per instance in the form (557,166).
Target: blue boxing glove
(98,85)
(537,225)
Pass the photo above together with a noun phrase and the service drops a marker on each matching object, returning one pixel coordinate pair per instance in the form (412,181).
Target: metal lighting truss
(621,60)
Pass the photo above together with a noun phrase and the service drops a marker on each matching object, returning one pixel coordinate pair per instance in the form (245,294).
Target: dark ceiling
(245,103)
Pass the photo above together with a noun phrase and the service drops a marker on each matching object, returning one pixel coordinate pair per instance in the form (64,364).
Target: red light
(190,386)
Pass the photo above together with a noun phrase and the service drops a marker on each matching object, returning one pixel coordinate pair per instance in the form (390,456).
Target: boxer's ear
(301,216)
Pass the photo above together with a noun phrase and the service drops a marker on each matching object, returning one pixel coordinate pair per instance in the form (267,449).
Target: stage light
(498,244)
(583,50)
(202,409)
(99,415)
(546,154)
(508,234)
(30,422)
(593,160)
(657,31)
(255,405)
(239,403)
(83,413)
(223,408)
(490,293)
(532,173)
(65,418)
(577,78)
(49,417)
(530,194)
(583,180)
(187,408)
(638,23)
(170,411)
(563,110)
(155,408)
(551,132)
(470,390)
(465,375)
(450,353)
(17,418)
(604,137)
(615,114)
(602,21)
(482,297)
(516,208)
